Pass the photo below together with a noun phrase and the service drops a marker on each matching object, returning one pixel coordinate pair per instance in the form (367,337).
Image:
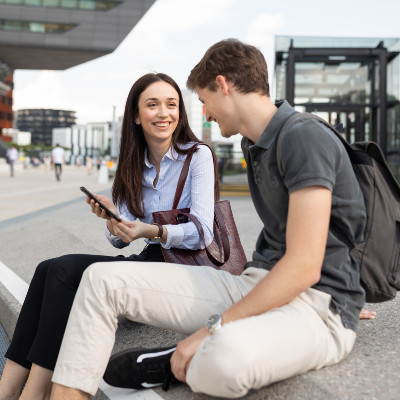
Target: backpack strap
(289,122)
(297,116)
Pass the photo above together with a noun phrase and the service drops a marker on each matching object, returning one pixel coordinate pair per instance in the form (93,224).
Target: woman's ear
(137,121)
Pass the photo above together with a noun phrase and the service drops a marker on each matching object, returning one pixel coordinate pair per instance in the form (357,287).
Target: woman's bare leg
(60,392)
(38,385)
(13,380)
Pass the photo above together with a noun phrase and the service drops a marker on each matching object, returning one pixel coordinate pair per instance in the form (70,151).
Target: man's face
(219,108)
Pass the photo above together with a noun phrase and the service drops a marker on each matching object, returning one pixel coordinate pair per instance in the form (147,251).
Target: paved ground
(45,218)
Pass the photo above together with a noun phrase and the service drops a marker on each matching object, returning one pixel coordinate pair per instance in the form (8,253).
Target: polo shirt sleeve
(310,156)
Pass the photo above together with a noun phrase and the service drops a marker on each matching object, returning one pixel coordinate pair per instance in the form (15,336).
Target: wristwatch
(214,323)
(157,239)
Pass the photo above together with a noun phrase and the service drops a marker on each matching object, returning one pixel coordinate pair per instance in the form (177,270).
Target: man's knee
(221,367)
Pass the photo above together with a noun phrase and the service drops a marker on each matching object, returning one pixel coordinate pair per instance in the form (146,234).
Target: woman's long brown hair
(127,186)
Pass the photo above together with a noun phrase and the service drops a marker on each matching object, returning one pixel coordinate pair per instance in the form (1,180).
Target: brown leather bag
(224,252)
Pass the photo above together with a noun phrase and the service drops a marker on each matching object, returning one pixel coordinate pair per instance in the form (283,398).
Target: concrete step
(230,190)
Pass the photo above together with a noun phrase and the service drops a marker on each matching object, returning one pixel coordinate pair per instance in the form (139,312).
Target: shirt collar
(285,110)
(171,154)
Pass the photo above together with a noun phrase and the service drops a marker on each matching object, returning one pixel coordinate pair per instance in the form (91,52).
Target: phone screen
(92,196)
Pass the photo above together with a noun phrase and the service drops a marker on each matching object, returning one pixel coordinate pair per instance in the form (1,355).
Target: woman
(155,139)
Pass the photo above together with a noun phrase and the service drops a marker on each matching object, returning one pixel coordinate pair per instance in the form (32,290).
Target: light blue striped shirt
(198,195)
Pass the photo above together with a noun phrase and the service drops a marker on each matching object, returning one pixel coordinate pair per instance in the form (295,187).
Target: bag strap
(225,250)
(217,213)
(184,173)
(183,176)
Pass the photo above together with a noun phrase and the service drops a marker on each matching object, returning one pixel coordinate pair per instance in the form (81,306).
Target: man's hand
(184,353)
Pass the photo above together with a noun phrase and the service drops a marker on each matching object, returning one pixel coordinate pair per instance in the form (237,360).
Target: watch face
(213,319)
(214,323)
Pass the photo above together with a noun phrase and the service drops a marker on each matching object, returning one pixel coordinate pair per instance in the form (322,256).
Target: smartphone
(92,196)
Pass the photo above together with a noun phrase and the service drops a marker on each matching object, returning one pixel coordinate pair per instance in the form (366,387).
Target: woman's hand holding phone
(128,231)
(101,205)
(100,211)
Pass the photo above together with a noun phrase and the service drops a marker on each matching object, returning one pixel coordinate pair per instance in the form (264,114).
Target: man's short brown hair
(241,64)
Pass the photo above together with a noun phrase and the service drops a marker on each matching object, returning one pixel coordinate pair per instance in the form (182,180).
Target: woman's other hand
(128,231)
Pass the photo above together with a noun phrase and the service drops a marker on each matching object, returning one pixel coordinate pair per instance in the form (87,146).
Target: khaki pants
(243,355)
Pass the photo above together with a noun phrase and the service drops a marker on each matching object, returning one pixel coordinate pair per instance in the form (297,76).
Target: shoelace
(158,370)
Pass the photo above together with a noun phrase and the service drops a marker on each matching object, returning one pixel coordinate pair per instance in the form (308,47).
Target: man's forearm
(283,283)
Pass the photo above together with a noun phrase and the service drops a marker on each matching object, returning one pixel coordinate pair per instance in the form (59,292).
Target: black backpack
(378,256)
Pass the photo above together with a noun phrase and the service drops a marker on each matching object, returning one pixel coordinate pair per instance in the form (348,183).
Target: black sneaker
(141,369)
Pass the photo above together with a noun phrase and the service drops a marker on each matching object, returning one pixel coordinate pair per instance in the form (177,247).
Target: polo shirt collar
(285,110)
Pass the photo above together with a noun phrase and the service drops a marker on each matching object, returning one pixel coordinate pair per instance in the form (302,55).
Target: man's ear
(223,84)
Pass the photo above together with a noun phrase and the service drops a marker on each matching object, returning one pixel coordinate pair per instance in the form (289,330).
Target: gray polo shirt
(311,155)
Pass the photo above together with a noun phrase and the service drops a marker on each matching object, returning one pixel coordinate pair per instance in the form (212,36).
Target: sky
(173,36)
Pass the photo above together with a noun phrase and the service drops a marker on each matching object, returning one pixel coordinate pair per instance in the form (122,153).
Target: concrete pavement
(46,218)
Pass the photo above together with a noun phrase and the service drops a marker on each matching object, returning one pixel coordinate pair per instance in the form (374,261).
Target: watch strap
(160,231)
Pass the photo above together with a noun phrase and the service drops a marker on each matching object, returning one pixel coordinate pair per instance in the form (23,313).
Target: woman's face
(158,112)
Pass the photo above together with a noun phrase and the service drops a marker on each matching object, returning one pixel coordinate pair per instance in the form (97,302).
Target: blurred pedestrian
(12,156)
(58,157)
(47,161)
(221,168)
(89,165)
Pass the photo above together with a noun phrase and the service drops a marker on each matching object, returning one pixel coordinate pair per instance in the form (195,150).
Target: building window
(34,27)
(92,5)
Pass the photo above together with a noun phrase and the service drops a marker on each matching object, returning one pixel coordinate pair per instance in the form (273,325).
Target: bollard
(103,173)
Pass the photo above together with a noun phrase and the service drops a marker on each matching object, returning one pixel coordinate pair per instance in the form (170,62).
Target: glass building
(41,122)
(353,81)
(59,34)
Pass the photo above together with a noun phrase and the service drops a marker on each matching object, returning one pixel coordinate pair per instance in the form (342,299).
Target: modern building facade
(59,34)
(6,96)
(20,138)
(41,122)
(353,81)
(90,140)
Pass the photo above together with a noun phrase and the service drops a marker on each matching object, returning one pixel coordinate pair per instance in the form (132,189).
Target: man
(12,156)
(296,306)
(58,160)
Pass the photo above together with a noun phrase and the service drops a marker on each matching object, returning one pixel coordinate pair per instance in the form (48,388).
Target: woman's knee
(67,269)
(41,271)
